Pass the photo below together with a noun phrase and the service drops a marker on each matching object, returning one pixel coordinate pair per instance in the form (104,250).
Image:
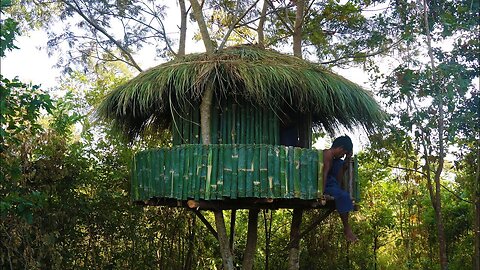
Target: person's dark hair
(344,142)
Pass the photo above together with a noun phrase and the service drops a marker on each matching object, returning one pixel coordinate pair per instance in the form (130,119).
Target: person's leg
(347,230)
(344,205)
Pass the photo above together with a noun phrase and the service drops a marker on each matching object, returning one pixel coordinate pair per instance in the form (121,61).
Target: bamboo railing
(230,171)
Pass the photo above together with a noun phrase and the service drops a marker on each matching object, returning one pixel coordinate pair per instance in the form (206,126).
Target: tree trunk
(183,28)
(294,253)
(198,14)
(249,255)
(227,258)
(297,29)
(261,23)
(438,171)
(205,106)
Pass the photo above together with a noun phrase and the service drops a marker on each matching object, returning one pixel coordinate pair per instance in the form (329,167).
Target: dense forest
(65,198)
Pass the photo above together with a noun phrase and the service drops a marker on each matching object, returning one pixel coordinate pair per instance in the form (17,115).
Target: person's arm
(327,164)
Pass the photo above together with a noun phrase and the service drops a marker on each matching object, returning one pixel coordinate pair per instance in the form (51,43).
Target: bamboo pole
(256,171)
(291,172)
(234,179)
(250,167)
(283,172)
(227,171)
(220,171)
(242,164)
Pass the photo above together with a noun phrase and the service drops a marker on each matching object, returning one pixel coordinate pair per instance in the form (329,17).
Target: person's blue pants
(343,203)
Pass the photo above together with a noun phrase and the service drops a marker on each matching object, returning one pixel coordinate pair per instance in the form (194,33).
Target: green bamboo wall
(215,172)
(232,122)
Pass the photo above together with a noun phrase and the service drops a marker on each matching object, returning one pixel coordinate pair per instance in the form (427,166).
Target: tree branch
(364,55)
(280,17)
(232,26)
(95,25)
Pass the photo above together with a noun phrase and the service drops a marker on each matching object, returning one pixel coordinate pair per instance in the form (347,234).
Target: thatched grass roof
(262,77)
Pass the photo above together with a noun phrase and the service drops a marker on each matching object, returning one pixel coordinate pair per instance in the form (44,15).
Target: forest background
(64,186)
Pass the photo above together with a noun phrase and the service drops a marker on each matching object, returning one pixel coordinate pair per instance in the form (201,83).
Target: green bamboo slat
(227,171)
(228,123)
(236,128)
(271,170)
(264,172)
(234,182)
(251,126)
(177,166)
(357,180)
(209,172)
(304,174)
(248,127)
(256,171)
(143,180)
(291,172)
(243,125)
(168,174)
(155,173)
(283,171)
(250,166)
(320,173)
(197,156)
(214,120)
(265,127)
(311,179)
(185,170)
(214,174)
(191,171)
(277,186)
(309,131)
(271,127)
(296,172)
(161,171)
(257,128)
(276,128)
(242,173)
(315,172)
(148,173)
(204,172)
(220,171)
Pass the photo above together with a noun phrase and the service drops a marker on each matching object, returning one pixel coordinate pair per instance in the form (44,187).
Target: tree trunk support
(227,258)
(294,253)
(233,217)
(252,236)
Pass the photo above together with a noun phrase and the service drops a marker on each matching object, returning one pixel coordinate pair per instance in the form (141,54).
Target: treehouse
(259,117)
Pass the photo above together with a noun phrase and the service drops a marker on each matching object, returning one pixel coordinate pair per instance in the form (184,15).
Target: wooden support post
(207,224)
(227,257)
(233,216)
(294,253)
(252,235)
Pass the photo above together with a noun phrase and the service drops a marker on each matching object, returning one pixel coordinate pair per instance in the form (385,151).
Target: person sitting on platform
(333,170)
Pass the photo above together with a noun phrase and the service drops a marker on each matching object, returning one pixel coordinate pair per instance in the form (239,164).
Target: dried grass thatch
(262,77)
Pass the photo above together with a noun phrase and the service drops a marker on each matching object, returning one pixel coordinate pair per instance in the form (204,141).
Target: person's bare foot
(350,236)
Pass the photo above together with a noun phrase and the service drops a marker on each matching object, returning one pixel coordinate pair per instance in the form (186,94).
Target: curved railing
(230,171)
(214,172)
